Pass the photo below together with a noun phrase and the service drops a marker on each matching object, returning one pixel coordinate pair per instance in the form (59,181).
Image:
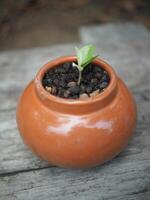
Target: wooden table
(127,177)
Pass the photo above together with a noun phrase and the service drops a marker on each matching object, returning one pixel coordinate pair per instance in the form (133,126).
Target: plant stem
(79,78)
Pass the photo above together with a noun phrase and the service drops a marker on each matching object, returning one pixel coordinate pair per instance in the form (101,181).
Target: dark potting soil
(62,81)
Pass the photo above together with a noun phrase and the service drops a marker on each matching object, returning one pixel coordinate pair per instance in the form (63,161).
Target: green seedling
(85,55)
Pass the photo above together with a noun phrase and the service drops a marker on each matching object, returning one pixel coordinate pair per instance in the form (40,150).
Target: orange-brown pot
(76,133)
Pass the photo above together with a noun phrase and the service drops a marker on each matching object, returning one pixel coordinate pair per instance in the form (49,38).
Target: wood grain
(126,177)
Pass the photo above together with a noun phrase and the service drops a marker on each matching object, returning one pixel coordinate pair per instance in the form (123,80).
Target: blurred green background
(30,23)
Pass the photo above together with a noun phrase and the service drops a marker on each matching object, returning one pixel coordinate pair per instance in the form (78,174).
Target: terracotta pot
(76,133)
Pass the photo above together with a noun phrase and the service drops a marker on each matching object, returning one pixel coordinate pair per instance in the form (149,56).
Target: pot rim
(48,98)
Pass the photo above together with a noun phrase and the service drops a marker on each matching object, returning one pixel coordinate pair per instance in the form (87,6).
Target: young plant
(85,55)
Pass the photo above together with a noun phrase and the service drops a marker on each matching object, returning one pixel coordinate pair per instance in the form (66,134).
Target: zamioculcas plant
(85,55)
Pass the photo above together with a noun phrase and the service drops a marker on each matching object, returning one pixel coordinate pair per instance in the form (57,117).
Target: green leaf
(89,61)
(85,55)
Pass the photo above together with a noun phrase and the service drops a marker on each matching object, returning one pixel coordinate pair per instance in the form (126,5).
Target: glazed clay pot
(76,133)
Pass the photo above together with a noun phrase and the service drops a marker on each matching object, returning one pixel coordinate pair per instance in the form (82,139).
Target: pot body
(76,139)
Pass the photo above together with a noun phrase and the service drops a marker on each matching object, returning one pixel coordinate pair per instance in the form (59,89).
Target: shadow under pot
(80,132)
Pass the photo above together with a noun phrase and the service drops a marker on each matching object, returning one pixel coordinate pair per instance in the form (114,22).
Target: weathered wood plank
(105,182)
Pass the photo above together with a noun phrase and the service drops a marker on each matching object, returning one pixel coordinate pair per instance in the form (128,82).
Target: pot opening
(62,81)
(101,99)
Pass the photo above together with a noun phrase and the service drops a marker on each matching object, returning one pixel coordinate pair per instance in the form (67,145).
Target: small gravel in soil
(62,81)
